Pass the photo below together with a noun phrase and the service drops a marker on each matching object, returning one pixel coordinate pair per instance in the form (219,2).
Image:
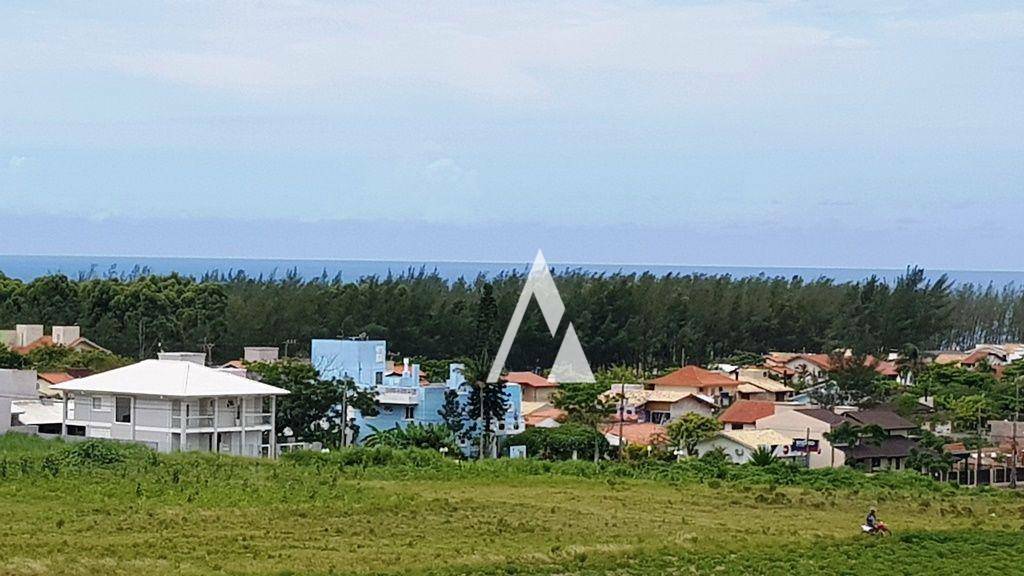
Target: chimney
(28,333)
(65,335)
(261,354)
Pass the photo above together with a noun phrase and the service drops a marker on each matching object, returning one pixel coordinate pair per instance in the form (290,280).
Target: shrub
(560,443)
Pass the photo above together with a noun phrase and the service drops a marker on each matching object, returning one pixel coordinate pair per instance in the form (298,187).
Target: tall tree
(486,405)
(585,403)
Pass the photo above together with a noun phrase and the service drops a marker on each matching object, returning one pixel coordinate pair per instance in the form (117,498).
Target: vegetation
(691,429)
(641,321)
(116,509)
(413,435)
(564,442)
(585,403)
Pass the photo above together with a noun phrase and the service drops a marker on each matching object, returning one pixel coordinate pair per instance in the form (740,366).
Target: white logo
(571,363)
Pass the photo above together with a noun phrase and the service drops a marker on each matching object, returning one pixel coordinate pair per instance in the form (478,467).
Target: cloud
(16,163)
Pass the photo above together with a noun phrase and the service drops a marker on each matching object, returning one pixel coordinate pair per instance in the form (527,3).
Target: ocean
(27,268)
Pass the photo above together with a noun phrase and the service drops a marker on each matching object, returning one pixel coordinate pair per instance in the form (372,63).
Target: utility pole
(807,448)
(622,413)
(287,343)
(1013,428)
(977,457)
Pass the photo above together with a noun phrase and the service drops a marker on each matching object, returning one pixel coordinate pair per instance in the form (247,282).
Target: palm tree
(763,456)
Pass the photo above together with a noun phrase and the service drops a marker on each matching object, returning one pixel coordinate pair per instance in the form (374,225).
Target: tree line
(643,321)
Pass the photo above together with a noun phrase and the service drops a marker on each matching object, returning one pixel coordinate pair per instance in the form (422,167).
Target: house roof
(36,412)
(758,377)
(639,397)
(635,433)
(979,355)
(695,377)
(746,412)
(530,379)
(946,357)
(48,341)
(55,377)
(236,364)
(892,447)
(539,415)
(820,360)
(827,416)
(172,378)
(754,438)
(886,419)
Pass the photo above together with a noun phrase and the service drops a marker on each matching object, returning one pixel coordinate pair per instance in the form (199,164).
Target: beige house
(27,337)
(536,388)
(740,445)
(808,423)
(657,406)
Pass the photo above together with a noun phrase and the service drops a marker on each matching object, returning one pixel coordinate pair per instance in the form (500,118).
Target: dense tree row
(636,320)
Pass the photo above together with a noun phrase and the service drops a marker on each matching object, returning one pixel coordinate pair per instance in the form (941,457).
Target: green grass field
(118,510)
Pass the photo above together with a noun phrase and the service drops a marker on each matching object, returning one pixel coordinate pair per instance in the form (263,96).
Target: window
(123,410)
(410,412)
(97,403)
(379,378)
(660,417)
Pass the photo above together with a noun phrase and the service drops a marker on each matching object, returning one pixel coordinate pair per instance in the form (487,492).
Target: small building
(889,454)
(740,445)
(711,383)
(635,434)
(536,388)
(47,379)
(172,406)
(744,414)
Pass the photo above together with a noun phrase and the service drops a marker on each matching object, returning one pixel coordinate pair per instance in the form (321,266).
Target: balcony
(205,421)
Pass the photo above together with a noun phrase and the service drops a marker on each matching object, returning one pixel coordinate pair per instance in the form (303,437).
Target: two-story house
(403,396)
(174,405)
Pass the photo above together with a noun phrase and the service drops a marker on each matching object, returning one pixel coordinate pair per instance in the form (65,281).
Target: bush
(560,443)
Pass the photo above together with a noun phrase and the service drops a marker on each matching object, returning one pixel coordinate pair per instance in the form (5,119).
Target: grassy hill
(98,508)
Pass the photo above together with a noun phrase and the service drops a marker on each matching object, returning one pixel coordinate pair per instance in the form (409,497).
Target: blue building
(403,394)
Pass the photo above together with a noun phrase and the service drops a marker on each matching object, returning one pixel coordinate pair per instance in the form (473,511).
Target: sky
(776,133)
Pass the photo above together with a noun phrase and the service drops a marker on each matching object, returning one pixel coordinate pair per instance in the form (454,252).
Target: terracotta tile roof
(820,360)
(977,356)
(639,434)
(48,341)
(538,416)
(695,377)
(55,377)
(746,412)
(37,343)
(530,379)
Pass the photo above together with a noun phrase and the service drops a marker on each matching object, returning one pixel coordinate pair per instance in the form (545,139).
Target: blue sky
(764,133)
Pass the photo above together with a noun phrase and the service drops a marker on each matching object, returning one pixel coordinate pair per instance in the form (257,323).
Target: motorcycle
(880,529)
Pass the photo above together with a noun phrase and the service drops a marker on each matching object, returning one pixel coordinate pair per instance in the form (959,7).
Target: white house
(15,385)
(174,406)
(739,445)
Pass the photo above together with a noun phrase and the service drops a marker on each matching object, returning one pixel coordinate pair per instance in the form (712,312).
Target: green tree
(315,409)
(585,403)
(11,359)
(413,435)
(453,412)
(486,404)
(691,429)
